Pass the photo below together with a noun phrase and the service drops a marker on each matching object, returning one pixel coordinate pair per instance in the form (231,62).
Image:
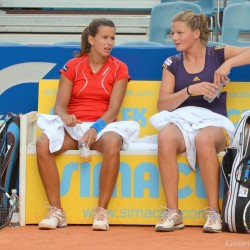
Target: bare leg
(170,144)
(109,145)
(209,141)
(47,167)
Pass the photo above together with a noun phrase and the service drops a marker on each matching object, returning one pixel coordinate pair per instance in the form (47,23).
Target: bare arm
(234,57)
(62,101)
(168,100)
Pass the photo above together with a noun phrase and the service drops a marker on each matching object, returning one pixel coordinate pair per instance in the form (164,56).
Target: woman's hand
(89,137)
(221,74)
(70,120)
(203,88)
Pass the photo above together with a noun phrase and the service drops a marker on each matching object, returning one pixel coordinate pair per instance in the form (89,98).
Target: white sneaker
(100,220)
(171,220)
(55,218)
(213,223)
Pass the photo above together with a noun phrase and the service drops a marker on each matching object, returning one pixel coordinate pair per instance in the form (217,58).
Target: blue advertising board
(21,68)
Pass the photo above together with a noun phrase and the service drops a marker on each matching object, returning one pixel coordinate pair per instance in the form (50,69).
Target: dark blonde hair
(195,22)
(92,30)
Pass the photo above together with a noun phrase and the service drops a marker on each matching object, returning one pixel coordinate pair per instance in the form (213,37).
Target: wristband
(99,125)
(188,91)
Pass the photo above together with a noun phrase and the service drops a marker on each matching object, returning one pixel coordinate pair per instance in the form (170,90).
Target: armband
(99,125)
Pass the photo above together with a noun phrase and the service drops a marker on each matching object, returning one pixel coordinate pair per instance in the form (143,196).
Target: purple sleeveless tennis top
(214,58)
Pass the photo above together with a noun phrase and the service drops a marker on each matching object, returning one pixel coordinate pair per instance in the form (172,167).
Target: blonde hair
(195,22)
(92,30)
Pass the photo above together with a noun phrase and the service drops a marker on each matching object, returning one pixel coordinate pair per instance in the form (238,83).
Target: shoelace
(101,214)
(212,215)
(52,210)
(167,213)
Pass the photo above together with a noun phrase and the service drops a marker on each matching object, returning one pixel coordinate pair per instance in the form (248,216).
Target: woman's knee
(166,138)
(205,146)
(42,144)
(202,141)
(111,142)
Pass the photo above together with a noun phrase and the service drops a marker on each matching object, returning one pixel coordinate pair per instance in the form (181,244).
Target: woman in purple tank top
(198,71)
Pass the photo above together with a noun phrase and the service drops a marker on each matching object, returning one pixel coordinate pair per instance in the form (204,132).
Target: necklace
(95,67)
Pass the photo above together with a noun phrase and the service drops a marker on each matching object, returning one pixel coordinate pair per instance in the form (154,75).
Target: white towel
(147,143)
(190,120)
(53,127)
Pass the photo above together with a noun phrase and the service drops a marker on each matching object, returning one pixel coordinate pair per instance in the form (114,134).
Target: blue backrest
(161,20)
(207,6)
(236,25)
(238,1)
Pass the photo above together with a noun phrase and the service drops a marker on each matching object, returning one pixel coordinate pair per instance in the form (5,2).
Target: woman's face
(183,36)
(104,40)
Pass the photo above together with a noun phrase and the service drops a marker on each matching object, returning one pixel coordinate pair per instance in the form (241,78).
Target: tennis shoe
(171,220)
(214,222)
(100,220)
(55,218)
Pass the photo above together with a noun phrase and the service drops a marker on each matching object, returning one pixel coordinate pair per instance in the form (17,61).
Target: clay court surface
(118,238)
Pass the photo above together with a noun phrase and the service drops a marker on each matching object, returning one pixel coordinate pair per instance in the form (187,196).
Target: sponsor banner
(137,198)
(22,67)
